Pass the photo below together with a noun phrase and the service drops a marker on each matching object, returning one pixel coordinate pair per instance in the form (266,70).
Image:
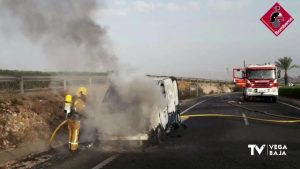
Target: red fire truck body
(258,81)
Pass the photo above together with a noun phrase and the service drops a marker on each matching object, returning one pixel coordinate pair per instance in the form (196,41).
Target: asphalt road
(207,142)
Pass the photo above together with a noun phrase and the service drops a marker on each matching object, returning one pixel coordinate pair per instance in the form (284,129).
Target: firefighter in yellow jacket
(75,112)
(75,105)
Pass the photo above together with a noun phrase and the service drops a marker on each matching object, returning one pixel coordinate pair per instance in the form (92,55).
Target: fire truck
(258,81)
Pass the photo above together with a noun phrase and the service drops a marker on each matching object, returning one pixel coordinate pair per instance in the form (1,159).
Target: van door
(170,95)
(175,88)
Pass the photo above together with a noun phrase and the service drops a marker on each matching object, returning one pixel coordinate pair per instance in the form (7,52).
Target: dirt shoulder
(29,117)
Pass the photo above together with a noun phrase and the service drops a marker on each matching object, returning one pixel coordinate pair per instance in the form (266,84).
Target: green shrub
(293,92)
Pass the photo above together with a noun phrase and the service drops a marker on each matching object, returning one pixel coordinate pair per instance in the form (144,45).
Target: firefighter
(75,112)
(75,105)
(79,103)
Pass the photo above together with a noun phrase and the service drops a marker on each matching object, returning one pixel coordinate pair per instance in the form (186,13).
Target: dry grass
(28,117)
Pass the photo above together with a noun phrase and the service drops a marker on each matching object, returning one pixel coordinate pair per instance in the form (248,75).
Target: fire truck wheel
(274,99)
(246,98)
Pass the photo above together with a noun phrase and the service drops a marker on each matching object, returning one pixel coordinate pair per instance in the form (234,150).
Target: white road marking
(192,106)
(290,105)
(245,119)
(105,162)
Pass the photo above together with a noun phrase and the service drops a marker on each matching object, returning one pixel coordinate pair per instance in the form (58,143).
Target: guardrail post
(197,82)
(65,84)
(90,82)
(190,87)
(21,84)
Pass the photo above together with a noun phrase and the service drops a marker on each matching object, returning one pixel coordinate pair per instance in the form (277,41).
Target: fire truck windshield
(261,74)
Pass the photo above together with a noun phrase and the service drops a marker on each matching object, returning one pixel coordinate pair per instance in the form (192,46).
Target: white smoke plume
(71,40)
(130,107)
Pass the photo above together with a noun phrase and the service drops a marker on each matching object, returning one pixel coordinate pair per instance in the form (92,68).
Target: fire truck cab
(258,81)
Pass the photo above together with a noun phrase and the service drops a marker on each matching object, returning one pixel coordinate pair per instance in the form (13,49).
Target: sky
(204,38)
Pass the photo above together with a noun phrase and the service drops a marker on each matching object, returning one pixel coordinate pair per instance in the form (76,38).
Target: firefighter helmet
(81,90)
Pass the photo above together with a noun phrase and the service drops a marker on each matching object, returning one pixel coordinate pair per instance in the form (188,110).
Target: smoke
(130,107)
(71,40)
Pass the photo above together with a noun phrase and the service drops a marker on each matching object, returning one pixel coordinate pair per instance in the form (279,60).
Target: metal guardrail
(8,78)
(190,79)
(203,80)
(64,80)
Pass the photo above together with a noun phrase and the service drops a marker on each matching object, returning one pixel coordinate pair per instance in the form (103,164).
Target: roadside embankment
(192,89)
(29,117)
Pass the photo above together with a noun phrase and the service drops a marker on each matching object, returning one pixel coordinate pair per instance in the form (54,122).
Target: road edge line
(186,110)
(295,107)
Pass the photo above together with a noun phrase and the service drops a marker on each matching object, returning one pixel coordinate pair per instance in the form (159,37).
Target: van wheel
(160,135)
(152,139)
(178,118)
(177,121)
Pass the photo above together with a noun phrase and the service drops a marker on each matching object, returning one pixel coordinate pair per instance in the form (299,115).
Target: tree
(285,64)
